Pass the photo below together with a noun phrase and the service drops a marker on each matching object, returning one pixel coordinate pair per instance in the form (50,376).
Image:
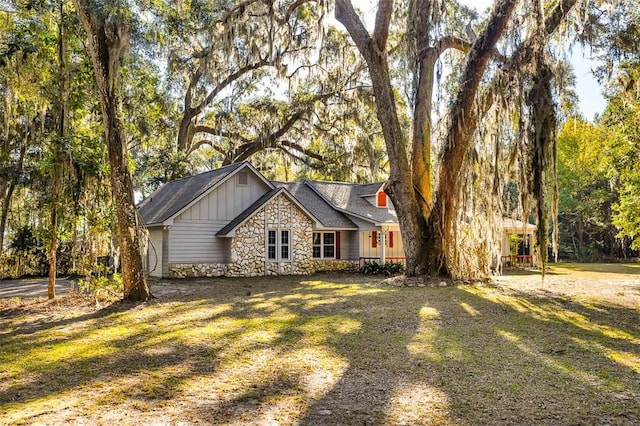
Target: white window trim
(278,245)
(322,256)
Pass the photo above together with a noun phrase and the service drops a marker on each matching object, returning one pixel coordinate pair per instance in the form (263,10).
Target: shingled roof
(350,198)
(326,214)
(174,196)
(329,203)
(249,211)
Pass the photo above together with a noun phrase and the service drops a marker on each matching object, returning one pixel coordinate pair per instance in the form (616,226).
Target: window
(284,244)
(328,244)
(324,245)
(243,178)
(317,245)
(278,245)
(271,245)
(382,199)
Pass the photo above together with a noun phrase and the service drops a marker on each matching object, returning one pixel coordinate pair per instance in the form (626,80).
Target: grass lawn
(332,349)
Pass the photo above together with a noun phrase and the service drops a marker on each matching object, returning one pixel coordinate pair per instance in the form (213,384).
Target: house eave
(334,228)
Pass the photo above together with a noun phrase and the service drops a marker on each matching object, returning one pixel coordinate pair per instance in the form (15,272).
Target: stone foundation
(243,269)
(334,265)
(181,270)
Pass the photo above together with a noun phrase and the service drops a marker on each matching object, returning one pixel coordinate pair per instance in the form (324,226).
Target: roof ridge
(342,182)
(204,173)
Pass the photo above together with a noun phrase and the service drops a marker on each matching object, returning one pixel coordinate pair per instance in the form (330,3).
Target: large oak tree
(429,216)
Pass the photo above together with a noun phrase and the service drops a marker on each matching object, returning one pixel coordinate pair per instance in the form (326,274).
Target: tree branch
(348,17)
(237,10)
(302,149)
(202,128)
(228,80)
(452,42)
(383,19)
(211,143)
(300,158)
(292,7)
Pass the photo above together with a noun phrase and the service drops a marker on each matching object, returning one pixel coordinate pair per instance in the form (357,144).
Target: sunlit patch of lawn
(337,349)
(578,270)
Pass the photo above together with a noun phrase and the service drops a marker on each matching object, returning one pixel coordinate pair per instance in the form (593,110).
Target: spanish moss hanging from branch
(542,136)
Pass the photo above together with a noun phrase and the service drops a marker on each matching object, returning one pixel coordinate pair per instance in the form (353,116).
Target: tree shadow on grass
(26,327)
(330,351)
(477,359)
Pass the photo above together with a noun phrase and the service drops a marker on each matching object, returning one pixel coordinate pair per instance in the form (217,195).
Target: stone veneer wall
(282,214)
(248,247)
(188,270)
(331,265)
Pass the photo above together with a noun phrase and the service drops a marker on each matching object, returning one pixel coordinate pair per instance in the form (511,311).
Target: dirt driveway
(33,287)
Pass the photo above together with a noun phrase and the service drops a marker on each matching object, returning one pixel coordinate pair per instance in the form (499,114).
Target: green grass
(335,349)
(586,269)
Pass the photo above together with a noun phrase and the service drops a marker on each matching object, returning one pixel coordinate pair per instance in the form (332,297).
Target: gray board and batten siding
(193,234)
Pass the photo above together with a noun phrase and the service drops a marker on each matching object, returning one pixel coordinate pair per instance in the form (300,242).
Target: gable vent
(243,178)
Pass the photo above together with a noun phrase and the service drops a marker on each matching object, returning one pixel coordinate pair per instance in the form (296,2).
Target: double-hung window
(278,244)
(324,245)
(284,245)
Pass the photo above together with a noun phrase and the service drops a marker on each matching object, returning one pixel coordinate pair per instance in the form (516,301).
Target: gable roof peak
(175,196)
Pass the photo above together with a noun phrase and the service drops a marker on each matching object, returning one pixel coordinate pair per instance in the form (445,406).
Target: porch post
(382,245)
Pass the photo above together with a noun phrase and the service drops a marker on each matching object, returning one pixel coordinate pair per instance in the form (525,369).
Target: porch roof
(514,226)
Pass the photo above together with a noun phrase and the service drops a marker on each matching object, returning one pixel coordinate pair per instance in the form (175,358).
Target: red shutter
(374,239)
(382,199)
(337,244)
(390,239)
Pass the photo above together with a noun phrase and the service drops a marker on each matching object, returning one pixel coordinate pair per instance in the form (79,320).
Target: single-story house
(232,221)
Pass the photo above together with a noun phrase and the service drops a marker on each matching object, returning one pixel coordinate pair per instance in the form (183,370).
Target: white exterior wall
(367,251)
(192,237)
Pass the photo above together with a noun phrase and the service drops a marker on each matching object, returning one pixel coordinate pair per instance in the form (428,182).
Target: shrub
(102,287)
(386,268)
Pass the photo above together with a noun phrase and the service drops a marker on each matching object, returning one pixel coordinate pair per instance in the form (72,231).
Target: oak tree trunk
(425,230)
(107,36)
(399,188)
(426,216)
(6,202)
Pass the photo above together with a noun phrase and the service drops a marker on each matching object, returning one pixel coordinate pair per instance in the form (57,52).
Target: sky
(591,100)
